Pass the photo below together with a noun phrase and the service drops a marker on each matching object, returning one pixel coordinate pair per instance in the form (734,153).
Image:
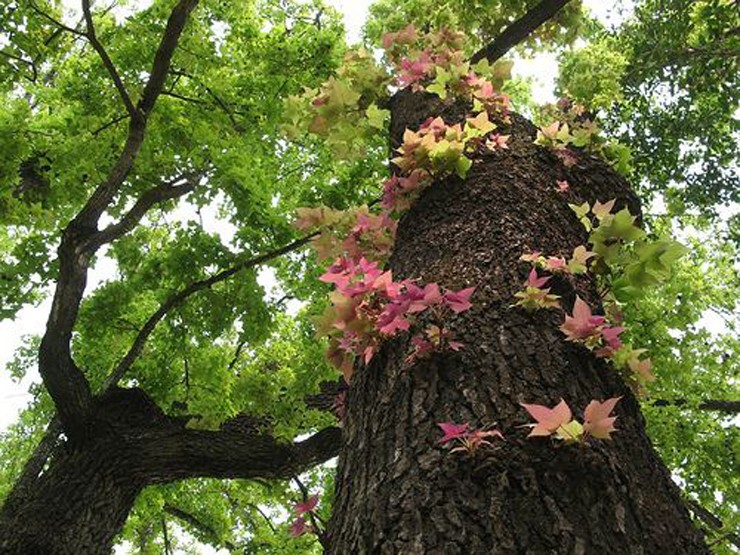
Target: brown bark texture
(397,489)
(80,501)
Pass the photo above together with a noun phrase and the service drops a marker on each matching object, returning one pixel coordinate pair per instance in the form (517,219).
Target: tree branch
(65,382)
(181,296)
(29,63)
(55,21)
(175,453)
(713,521)
(719,405)
(103,195)
(107,62)
(202,527)
(519,30)
(162,192)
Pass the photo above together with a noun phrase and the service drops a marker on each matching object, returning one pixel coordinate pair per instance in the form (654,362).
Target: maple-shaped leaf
(563,185)
(598,423)
(306,506)
(533,280)
(453,431)
(548,419)
(641,367)
(601,211)
(496,141)
(533,298)
(610,335)
(548,133)
(555,264)
(299,527)
(582,324)
(577,263)
(481,123)
(459,301)
(531,257)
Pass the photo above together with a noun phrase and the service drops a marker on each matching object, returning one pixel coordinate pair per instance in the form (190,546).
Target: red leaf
(453,431)
(299,527)
(459,301)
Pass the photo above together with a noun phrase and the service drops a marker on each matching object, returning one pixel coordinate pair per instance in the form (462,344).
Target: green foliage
(592,75)
(672,66)
(234,348)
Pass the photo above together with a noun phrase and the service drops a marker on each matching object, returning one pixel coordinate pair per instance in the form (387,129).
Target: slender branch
(519,30)
(111,123)
(29,63)
(55,21)
(264,516)
(107,62)
(165,191)
(165,537)
(713,521)
(204,528)
(184,98)
(719,405)
(181,296)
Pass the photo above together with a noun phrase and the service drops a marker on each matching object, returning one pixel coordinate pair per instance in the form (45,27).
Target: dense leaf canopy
(664,81)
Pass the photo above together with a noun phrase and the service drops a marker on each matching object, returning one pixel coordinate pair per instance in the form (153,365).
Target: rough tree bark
(81,501)
(397,490)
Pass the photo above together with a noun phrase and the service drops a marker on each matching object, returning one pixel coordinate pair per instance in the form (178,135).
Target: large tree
(181,367)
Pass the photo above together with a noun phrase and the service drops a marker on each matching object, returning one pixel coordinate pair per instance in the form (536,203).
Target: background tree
(199,122)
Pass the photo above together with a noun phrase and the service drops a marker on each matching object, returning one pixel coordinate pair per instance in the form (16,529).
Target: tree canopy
(212,306)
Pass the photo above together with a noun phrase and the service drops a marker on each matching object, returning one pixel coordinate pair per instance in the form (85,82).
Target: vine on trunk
(368,306)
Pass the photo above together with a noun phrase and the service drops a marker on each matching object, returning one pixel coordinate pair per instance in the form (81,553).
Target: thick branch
(204,528)
(107,62)
(181,296)
(519,30)
(177,453)
(163,57)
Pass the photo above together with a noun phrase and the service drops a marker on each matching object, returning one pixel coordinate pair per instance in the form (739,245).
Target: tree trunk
(76,506)
(398,490)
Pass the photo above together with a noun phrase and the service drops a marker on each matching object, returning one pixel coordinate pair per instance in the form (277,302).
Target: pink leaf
(299,527)
(459,301)
(307,506)
(534,281)
(598,423)
(453,431)
(582,324)
(563,186)
(548,420)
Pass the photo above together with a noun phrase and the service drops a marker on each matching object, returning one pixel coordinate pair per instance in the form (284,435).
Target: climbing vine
(368,306)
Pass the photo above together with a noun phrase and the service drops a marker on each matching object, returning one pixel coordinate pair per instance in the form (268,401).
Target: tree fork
(397,490)
(80,502)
